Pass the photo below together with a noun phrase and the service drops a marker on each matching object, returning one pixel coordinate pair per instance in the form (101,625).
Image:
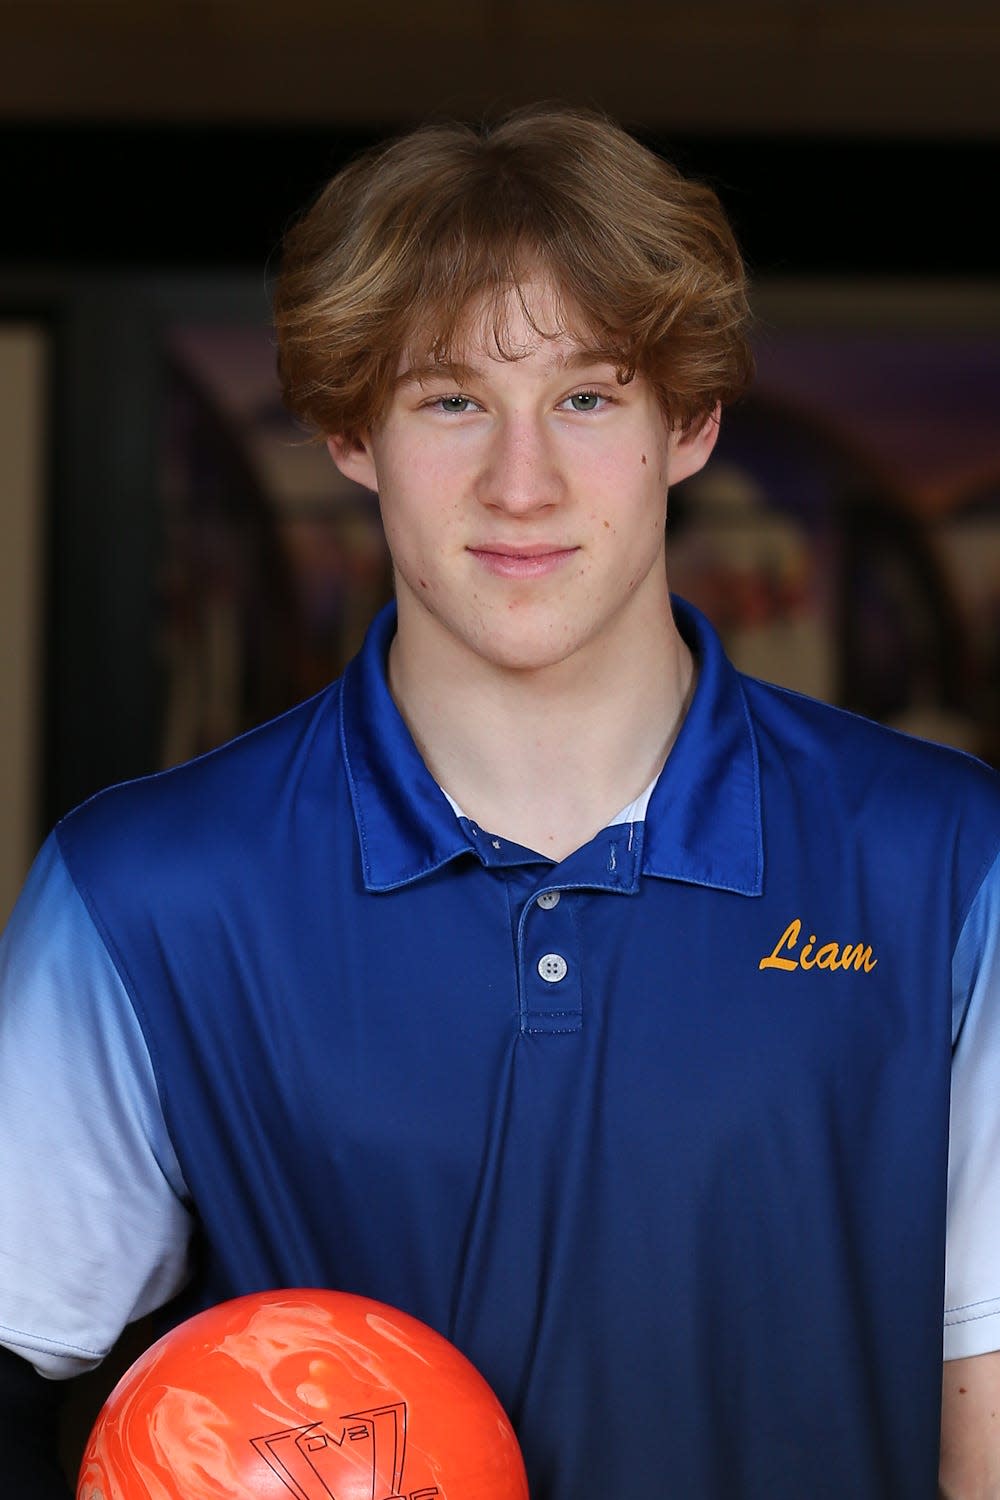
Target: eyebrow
(462,373)
(448,369)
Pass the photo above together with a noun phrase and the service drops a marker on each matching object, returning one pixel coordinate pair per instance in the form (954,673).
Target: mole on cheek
(644,458)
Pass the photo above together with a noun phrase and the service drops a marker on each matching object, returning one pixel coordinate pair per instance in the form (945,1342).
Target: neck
(546,757)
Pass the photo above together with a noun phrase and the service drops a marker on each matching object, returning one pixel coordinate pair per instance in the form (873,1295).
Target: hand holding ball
(313,1394)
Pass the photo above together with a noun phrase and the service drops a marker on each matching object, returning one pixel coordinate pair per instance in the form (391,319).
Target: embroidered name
(856,956)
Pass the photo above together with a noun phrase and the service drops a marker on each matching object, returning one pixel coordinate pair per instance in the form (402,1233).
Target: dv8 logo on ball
(317,1464)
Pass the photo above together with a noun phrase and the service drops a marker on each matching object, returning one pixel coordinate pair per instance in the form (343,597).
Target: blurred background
(177,561)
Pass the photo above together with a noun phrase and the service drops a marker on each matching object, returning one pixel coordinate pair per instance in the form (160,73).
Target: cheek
(421,532)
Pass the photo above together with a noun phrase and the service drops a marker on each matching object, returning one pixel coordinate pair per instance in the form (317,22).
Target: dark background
(88,195)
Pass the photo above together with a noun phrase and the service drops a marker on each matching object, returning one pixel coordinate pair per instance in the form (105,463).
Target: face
(524,504)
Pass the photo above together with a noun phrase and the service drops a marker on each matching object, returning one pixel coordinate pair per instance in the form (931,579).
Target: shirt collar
(406,829)
(702,824)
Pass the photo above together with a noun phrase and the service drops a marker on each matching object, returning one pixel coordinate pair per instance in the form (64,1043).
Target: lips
(534,560)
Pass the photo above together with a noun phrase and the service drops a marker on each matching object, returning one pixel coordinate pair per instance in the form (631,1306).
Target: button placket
(550,965)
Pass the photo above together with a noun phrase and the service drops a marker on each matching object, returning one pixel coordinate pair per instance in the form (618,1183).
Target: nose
(520,471)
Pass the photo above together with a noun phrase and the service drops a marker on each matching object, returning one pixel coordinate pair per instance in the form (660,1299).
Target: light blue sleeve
(93,1229)
(972,1278)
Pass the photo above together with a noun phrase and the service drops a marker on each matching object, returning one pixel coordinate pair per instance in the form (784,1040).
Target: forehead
(530,319)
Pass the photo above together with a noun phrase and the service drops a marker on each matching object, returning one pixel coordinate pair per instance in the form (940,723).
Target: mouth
(533,560)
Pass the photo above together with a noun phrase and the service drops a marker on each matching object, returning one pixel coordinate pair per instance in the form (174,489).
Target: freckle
(644,458)
(961,1390)
(607,525)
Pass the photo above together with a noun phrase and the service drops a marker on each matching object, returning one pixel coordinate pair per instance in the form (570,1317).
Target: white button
(552,967)
(548,899)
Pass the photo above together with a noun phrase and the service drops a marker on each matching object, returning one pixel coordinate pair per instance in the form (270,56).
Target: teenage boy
(543,977)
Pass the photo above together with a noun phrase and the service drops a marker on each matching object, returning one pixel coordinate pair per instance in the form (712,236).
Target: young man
(543,977)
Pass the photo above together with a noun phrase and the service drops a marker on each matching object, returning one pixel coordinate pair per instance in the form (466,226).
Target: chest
(408,1025)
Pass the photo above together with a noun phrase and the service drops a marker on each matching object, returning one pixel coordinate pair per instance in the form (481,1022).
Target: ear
(354,459)
(691,448)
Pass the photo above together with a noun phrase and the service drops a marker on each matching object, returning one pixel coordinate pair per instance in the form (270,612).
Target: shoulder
(842,747)
(923,816)
(222,803)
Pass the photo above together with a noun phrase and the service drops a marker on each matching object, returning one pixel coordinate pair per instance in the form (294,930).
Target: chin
(524,655)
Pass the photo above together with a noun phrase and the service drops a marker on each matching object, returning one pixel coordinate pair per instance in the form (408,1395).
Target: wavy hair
(408,239)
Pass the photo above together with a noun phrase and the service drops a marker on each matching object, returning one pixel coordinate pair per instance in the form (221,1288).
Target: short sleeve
(972,1280)
(95,1228)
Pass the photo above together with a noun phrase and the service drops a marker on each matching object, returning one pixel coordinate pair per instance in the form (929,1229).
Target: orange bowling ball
(313,1394)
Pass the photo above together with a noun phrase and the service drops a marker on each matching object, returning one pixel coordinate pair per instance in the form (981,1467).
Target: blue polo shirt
(658,1134)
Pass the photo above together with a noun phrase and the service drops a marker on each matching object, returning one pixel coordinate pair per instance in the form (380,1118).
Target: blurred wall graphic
(273,564)
(846,538)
